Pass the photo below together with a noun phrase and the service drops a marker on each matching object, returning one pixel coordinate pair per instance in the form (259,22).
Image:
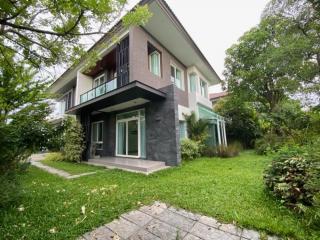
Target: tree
(242,120)
(73,141)
(46,33)
(303,22)
(266,66)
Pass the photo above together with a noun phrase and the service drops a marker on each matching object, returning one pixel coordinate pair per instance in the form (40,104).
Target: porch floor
(129,164)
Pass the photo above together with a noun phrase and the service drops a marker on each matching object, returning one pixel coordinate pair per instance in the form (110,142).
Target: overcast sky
(215,25)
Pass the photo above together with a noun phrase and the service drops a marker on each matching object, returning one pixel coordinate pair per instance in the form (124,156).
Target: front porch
(129,164)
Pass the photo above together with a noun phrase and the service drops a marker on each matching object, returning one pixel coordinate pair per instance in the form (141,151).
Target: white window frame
(63,101)
(126,120)
(98,79)
(185,130)
(92,140)
(206,88)
(159,65)
(189,81)
(175,76)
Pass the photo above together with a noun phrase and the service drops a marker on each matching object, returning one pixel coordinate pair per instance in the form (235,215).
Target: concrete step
(129,164)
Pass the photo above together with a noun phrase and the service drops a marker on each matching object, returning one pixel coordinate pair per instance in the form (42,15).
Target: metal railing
(99,90)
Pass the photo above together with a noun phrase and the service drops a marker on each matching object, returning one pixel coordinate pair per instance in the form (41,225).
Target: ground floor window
(130,134)
(183,129)
(97,134)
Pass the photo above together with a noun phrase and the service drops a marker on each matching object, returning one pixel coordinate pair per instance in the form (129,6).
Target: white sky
(215,25)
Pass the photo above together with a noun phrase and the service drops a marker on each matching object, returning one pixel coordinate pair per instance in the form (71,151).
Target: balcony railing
(99,90)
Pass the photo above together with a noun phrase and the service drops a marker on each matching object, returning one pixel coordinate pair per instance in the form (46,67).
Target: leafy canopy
(279,58)
(46,33)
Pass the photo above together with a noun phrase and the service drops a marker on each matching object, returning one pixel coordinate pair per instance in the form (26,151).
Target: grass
(228,189)
(72,168)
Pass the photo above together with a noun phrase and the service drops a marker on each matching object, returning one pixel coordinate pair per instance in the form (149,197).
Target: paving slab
(137,217)
(185,213)
(176,220)
(250,234)
(230,228)
(144,235)
(123,227)
(189,236)
(209,221)
(210,233)
(162,222)
(153,210)
(164,230)
(36,159)
(101,233)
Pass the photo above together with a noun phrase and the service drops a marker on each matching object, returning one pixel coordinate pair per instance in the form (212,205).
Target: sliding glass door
(130,129)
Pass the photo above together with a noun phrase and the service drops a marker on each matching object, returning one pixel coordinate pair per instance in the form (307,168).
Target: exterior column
(219,132)
(225,133)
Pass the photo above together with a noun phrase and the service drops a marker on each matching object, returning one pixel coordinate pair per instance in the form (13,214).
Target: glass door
(133,139)
(128,133)
(131,134)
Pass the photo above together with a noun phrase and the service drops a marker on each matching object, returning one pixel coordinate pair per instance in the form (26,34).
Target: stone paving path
(160,221)
(35,161)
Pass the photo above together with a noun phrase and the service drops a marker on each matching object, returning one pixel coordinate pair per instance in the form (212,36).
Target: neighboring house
(131,104)
(215,97)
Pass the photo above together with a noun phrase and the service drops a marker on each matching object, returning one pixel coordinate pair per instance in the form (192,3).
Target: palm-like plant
(197,128)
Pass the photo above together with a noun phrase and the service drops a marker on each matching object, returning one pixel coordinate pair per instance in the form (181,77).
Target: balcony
(99,91)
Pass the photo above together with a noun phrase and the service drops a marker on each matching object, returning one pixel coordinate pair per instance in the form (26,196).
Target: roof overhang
(167,30)
(134,93)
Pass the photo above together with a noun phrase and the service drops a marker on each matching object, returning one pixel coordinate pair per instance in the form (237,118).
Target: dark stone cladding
(162,129)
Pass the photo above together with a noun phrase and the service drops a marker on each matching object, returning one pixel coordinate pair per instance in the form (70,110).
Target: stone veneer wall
(162,129)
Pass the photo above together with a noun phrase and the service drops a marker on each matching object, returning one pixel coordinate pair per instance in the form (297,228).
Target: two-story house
(131,104)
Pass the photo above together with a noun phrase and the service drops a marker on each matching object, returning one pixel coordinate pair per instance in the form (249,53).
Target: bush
(56,157)
(189,149)
(231,150)
(74,141)
(270,143)
(10,189)
(294,178)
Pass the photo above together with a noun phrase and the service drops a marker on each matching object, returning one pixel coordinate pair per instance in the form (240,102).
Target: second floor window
(193,82)
(176,77)
(155,63)
(203,88)
(98,80)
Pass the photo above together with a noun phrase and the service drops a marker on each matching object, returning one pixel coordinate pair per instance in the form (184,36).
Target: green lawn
(72,168)
(228,189)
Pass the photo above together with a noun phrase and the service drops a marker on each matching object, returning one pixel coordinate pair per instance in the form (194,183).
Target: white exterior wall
(84,84)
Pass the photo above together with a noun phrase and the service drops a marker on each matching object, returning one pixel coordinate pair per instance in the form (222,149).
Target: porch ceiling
(128,93)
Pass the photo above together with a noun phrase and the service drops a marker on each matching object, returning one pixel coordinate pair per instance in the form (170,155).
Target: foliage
(269,143)
(272,61)
(242,122)
(197,128)
(46,33)
(10,190)
(294,178)
(54,157)
(74,144)
(301,34)
(189,149)
(231,150)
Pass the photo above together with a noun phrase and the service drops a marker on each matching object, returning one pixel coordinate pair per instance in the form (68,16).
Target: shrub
(294,177)
(10,189)
(56,157)
(270,143)
(189,149)
(74,141)
(231,150)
